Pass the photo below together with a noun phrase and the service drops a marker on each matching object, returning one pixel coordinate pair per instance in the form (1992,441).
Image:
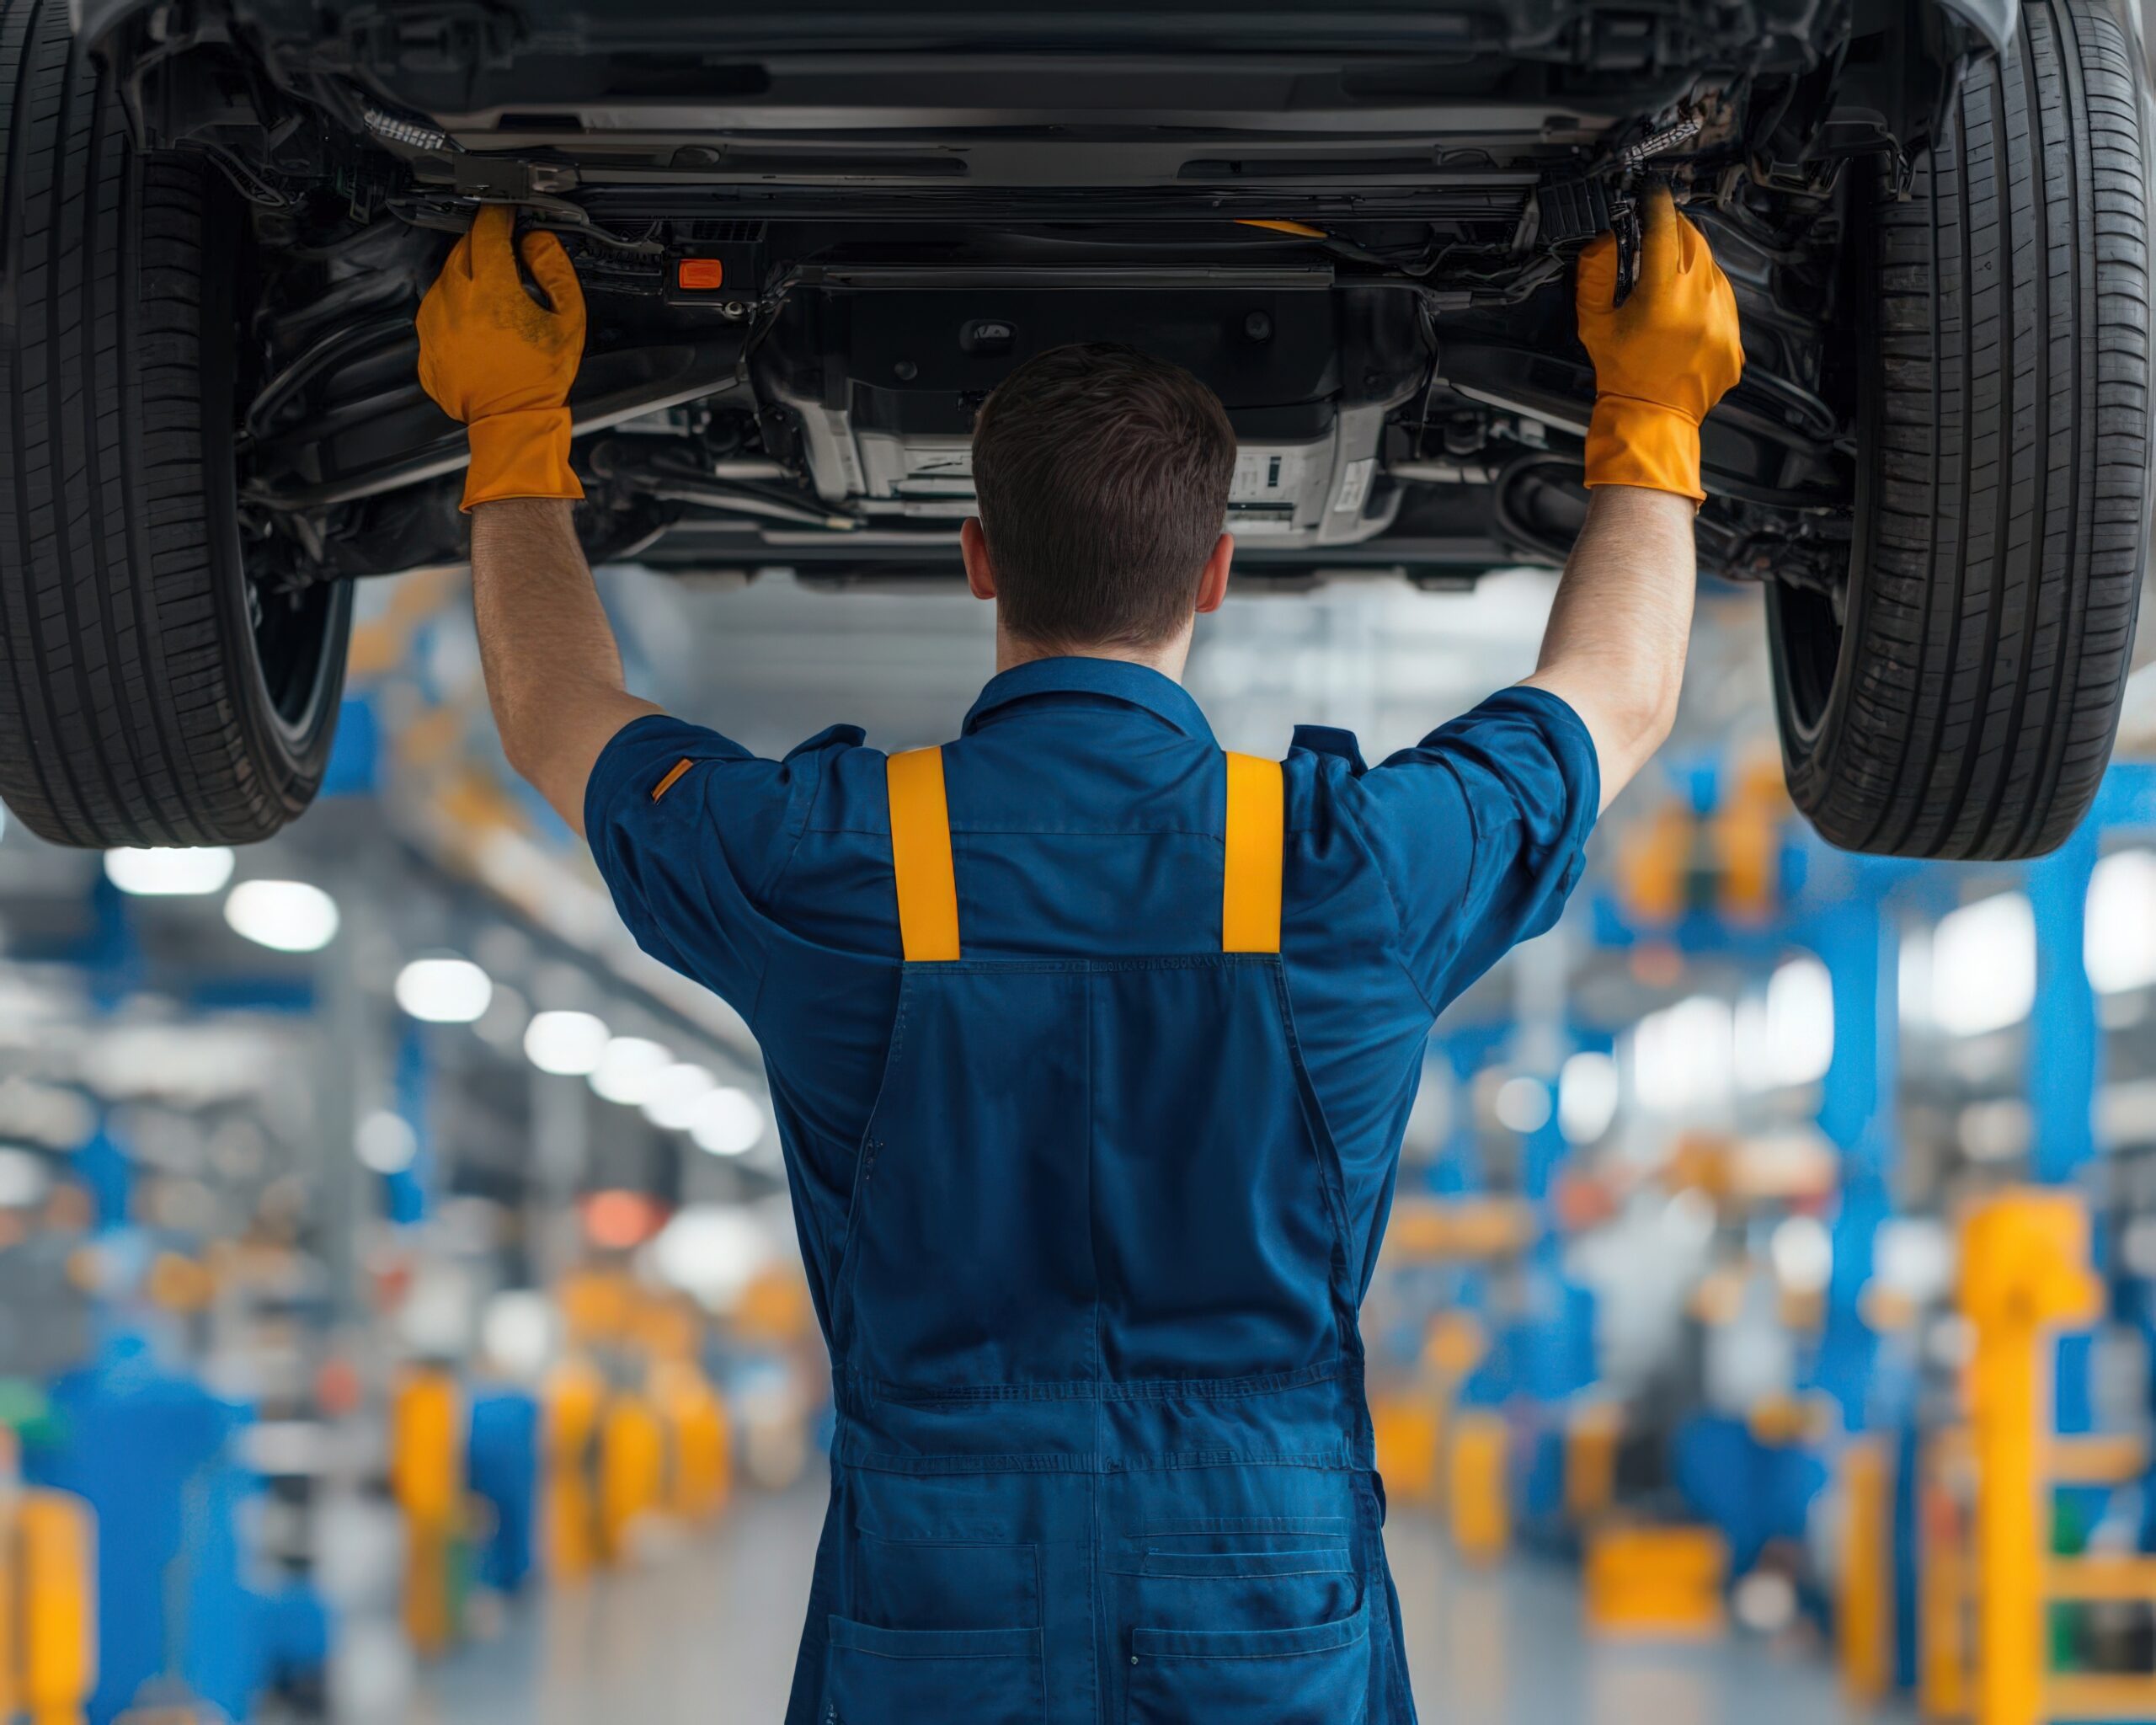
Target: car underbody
(805,268)
(811,240)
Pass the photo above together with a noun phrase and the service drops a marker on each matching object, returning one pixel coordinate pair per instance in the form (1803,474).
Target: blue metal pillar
(1458,1166)
(2062,1039)
(2065,1048)
(409,1193)
(1861,947)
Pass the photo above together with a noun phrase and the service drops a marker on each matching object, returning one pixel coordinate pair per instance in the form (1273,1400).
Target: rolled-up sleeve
(1480,831)
(690,831)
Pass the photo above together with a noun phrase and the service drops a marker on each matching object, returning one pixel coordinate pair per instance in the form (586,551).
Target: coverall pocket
(930,1676)
(1231,1549)
(920,1584)
(1319,1675)
(1239,1565)
(1251,1573)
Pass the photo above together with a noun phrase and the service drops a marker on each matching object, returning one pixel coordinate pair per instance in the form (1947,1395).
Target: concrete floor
(704,1635)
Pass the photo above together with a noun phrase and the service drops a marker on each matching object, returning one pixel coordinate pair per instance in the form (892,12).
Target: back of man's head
(1103,478)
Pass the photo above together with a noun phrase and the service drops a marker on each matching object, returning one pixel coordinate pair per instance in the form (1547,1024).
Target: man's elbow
(1657,714)
(1641,723)
(523,745)
(535,755)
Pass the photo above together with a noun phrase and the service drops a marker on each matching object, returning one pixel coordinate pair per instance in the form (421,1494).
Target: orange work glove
(492,356)
(1661,359)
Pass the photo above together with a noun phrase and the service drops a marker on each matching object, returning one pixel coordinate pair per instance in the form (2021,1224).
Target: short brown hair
(1103,478)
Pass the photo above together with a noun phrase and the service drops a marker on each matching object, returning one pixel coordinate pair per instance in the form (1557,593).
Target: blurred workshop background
(401,1318)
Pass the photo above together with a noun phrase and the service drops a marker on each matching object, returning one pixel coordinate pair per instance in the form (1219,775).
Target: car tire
(1960,699)
(147,695)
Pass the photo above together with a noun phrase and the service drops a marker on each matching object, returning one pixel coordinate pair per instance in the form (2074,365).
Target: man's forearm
(553,671)
(1614,646)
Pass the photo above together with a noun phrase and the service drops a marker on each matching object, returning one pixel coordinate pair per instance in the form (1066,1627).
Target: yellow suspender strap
(920,856)
(928,893)
(1257,825)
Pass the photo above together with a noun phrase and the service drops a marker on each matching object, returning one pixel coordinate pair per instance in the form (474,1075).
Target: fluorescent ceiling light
(627,1068)
(1587,1096)
(569,1044)
(518,1327)
(386,1142)
(1800,1022)
(711,1251)
(288,916)
(1983,965)
(169,872)
(1522,1105)
(676,1094)
(444,991)
(1803,1253)
(2119,945)
(1683,1057)
(729,1122)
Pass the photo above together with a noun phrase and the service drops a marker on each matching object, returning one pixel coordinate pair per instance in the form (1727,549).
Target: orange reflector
(699,273)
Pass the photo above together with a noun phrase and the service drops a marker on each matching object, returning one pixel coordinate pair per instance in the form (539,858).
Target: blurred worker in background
(1092,1045)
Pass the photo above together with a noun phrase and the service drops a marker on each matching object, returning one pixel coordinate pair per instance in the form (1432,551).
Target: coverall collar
(1115,678)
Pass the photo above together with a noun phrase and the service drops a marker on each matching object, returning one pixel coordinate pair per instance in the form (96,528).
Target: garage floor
(705,1635)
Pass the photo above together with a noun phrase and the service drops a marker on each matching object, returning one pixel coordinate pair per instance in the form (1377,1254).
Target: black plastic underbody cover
(921,362)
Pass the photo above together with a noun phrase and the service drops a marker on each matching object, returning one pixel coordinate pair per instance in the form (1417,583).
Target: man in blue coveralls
(1092,1045)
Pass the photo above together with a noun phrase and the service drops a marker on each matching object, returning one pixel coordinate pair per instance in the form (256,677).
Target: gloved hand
(492,357)
(1661,359)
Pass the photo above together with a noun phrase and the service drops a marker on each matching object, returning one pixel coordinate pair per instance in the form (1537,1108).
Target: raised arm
(1614,646)
(496,358)
(553,672)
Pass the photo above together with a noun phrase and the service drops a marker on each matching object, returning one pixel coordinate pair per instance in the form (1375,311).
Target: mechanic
(1090,1045)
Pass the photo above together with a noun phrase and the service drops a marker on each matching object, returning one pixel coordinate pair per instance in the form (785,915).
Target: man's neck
(1167,658)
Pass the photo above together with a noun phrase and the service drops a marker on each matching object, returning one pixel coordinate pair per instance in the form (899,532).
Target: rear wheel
(1960,699)
(149,693)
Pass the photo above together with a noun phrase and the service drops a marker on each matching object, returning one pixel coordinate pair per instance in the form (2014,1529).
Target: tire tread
(1998,564)
(128,715)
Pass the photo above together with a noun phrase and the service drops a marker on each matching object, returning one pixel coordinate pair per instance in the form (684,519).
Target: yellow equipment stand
(1864,1623)
(426,1478)
(1407,1431)
(2024,1274)
(10,1588)
(48,1609)
(1660,1583)
(1945,1584)
(699,1449)
(575,1394)
(632,1472)
(1946,1581)
(1592,1432)
(1411,1426)
(1475,1489)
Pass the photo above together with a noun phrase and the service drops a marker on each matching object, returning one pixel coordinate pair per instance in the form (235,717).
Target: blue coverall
(1090,1161)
